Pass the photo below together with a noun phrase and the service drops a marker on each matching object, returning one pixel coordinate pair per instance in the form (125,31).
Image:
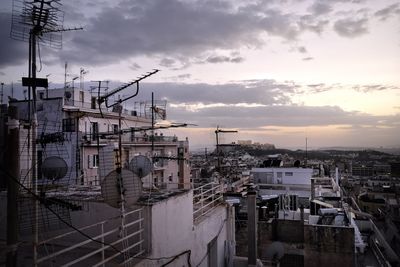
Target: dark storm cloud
(387,12)
(188,32)
(284,116)
(12,52)
(189,29)
(351,27)
(267,92)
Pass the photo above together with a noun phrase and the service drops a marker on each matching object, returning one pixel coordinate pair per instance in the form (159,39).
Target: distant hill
(393,151)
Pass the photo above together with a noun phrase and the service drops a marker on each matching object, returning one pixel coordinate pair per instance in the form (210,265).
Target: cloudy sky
(277,71)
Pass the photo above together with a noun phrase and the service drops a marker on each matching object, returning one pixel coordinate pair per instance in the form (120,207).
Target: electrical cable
(219,232)
(43,201)
(189,252)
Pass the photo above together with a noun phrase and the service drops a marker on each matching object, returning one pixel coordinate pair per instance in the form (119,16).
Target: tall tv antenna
(36,21)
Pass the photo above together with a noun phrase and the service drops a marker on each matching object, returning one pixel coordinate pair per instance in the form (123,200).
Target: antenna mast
(65,74)
(37,21)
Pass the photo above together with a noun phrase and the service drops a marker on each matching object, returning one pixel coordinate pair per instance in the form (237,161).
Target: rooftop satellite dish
(54,168)
(110,188)
(141,166)
(274,251)
(68,95)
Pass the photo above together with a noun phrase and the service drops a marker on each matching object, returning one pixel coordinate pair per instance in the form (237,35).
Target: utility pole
(12,163)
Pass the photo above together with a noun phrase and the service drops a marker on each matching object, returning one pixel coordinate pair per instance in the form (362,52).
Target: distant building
(244,142)
(298,176)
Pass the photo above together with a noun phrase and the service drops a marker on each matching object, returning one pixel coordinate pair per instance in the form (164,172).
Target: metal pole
(33,168)
(218,154)
(77,152)
(152,123)
(12,163)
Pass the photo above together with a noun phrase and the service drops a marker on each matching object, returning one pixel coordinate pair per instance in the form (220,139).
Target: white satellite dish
(110,188)
(141,165)
(274,251)
(54,168)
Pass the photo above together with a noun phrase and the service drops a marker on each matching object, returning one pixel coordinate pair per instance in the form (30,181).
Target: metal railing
(206,198)
(110,243)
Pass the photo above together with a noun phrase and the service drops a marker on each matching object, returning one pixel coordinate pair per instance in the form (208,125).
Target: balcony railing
(95,106)
(72,248)
(206,198)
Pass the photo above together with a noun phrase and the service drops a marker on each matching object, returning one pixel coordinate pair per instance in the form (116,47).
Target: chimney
(312,188)
(252,228)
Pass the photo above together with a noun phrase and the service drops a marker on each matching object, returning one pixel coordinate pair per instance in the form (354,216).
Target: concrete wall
(320,245)
(324,245)
(171,231)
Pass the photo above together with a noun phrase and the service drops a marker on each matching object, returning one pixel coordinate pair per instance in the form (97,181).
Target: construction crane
(217,132)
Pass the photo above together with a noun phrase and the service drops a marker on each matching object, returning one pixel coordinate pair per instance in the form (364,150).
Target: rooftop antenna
(105,97)
(73,80)
(82,74)
(65,75)
(37,22)
(217,132)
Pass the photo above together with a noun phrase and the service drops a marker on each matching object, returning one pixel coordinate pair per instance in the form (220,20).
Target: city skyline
(278,72)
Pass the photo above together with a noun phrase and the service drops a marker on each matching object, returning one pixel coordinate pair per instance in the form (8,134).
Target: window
(288,173)
(68,125)
(94,129)
(132,134)
(93,161)
(115,128)
(279,174)
(93,103)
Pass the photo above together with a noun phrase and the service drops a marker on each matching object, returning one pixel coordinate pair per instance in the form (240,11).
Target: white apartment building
(72,127)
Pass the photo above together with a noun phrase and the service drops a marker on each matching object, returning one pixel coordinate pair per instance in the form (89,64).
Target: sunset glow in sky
(276,71)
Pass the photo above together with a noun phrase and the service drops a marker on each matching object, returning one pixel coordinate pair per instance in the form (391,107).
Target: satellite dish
(274,251)
(54,168)
(131,185)
(68,95)
(141,165)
